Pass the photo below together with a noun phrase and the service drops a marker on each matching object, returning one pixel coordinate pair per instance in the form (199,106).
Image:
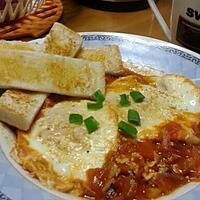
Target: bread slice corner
(62,41)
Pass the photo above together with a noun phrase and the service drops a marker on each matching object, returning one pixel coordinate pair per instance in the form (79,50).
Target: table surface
(81,18)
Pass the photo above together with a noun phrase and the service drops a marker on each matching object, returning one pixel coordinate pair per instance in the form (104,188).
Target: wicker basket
(13,9)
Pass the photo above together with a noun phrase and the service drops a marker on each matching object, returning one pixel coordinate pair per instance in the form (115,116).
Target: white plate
(141,51)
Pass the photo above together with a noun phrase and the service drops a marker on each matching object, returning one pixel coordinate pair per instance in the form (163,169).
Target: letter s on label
(190,12)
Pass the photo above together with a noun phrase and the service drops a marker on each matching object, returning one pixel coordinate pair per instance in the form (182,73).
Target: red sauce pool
(144,170)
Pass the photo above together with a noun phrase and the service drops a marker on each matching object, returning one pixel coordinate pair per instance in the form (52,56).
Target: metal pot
(116,5)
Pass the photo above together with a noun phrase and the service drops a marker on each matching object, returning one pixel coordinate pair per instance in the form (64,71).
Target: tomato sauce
(146,169)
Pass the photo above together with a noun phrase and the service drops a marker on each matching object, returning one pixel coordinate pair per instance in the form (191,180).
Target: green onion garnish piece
(75,118)
(127,128)
(91,124)
(133,117)
(124,100)
(137,96)
(94,106)
(98,96)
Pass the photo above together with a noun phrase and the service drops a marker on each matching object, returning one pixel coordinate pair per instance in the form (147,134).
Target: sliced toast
(19,45)
(60,41)
(42,72)
(19,108)
(19,111)
(109,55)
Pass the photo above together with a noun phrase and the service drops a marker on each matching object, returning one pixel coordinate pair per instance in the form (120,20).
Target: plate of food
(98,115)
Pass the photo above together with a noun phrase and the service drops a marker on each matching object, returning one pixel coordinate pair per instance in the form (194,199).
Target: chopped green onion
(137,96)
(127,128)
(75,118)
(98,96)
(91,124)
(124,100)
(94,106)
(133,117)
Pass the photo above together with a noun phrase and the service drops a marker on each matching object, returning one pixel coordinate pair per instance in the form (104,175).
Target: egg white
(166,98)
(69,148)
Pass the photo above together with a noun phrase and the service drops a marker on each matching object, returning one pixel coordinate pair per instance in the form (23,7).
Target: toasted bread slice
(19,45)
(62,41)
(109,55)
(42,72)
(16,113)
(19,108)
